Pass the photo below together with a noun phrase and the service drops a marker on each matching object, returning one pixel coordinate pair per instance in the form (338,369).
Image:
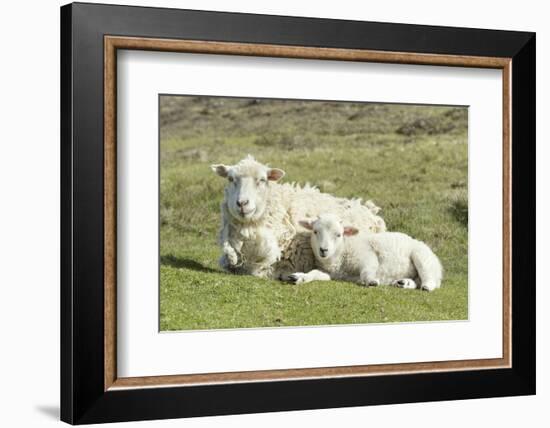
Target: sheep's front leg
(369,271)
(312,275)
(268,247)
(262,251)
(230,257)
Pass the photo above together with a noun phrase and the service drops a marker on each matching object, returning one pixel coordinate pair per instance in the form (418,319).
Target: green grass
(411,160)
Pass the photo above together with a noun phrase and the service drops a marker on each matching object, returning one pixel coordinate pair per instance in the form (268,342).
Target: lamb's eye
(315,232)
(339,235)
(231,179)
(262,181)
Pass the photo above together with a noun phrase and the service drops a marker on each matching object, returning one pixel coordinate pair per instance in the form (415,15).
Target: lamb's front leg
(407,283)
(312,275)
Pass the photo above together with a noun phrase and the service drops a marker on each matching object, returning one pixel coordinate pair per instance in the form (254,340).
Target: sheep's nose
(323,250)
(242,202)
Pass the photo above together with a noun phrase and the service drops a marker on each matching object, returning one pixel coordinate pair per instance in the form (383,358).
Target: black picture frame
(83,398)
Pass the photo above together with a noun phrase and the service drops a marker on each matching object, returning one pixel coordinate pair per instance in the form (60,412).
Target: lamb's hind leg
(428,267)
(369,271)
(407,283)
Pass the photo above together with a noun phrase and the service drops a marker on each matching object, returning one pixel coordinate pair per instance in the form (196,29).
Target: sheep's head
(327,236)
(247,189)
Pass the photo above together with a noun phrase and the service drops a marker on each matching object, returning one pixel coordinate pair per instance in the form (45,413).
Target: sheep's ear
(306,224)
(275,174)
(350,231)
(220,169)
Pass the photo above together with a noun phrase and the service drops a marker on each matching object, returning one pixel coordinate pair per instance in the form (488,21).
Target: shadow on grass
(178,262)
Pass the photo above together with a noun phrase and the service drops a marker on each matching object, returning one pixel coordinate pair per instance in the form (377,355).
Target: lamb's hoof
(296,278)
(406,283)
(428,287)
(373,283)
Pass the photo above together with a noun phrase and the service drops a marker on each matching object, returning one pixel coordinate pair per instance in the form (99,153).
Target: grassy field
(411,160)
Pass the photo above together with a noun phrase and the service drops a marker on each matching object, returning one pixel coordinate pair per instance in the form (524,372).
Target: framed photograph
(266,213)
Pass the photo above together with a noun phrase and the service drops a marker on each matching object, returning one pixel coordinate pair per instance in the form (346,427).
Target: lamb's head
(327,236)
(247,189)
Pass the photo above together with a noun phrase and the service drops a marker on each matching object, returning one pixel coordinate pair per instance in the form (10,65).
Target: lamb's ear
(275,174)
(220,169)
(350,231)
(306,224)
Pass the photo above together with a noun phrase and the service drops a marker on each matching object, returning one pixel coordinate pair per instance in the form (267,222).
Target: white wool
(273,244)
(371,258)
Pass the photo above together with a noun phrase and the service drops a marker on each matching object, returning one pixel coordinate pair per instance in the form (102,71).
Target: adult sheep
(260,233)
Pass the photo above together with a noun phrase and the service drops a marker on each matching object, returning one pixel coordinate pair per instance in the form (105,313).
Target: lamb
(260,234)
(371,258)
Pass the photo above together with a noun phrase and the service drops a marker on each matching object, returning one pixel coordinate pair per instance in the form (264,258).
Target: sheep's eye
(262,181)
(231,179)
(315,232)
(339,235)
